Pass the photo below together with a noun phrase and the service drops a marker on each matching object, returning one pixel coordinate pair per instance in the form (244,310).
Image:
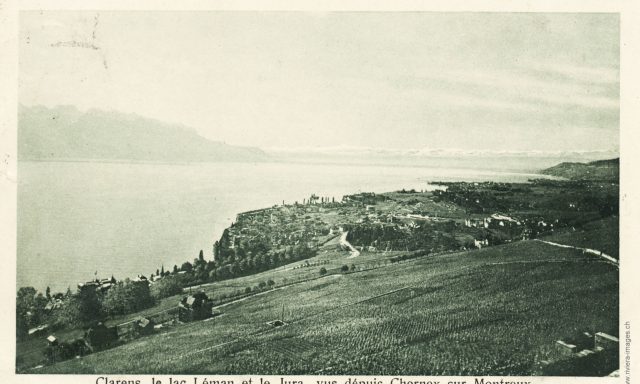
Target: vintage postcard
(249,193)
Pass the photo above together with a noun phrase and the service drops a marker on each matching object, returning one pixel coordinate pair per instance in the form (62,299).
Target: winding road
(346,244)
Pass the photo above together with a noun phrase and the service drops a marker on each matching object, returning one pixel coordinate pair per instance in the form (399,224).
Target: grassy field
(497,310)
(602,235)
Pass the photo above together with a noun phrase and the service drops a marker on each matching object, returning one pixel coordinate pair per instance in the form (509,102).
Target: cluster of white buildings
(485,222)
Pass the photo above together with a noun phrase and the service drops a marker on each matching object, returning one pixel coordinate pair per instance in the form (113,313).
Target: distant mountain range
(65,133)
(601,170)
(439,152)
(502,160)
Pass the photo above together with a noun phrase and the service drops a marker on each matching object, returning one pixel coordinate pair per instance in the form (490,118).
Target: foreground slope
(493,311)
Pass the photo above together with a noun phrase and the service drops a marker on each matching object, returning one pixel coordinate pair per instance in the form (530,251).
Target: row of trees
(202,271)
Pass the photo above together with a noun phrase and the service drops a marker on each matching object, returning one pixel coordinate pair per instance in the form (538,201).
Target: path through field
(587,250)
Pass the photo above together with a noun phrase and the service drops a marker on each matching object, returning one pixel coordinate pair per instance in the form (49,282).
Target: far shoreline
(312,162)
(431,181)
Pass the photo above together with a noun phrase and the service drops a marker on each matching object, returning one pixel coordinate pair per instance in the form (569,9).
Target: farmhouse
(141,279)
(89,285)
(99,285)
(194,307)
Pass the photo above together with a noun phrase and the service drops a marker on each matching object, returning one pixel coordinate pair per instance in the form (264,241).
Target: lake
(78,220)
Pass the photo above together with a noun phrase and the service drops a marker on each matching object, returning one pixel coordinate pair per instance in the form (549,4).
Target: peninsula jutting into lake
(283,281)
(390,194)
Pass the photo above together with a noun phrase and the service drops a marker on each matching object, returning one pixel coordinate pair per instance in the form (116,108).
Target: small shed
(144,326)
(194,307)
(53,349)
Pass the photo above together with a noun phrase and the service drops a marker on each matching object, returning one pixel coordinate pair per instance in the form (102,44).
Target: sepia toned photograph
(318,193)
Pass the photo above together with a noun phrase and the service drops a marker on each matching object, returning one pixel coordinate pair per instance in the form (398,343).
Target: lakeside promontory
(423,270)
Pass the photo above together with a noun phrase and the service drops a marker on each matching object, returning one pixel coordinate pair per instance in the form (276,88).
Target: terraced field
(497,310)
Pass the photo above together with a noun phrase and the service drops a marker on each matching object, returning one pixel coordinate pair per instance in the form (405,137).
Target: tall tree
(89,306)
(25,299)
(216,251)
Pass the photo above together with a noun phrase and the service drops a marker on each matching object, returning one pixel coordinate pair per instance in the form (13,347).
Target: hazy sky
(287,79)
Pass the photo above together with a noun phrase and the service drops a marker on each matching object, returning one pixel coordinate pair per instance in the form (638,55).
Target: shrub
(168,286)
(127,297)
